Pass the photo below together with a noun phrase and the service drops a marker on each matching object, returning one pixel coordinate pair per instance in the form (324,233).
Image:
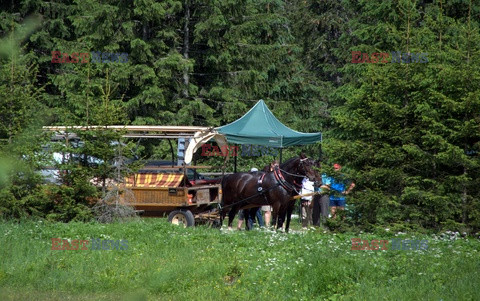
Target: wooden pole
(304,195)
(173,154)
(194,171)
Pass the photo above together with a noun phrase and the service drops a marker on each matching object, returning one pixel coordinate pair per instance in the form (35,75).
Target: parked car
(52,174)
(53,159)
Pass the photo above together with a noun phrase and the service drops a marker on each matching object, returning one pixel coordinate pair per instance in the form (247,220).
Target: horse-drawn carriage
(157,194)
(172,193)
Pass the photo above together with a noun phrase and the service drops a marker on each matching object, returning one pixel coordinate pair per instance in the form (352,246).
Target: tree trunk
(186,46)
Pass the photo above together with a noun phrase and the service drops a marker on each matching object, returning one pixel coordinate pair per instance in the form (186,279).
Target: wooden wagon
(157,194)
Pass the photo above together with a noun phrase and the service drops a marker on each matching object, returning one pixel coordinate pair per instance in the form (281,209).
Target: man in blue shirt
(337,192)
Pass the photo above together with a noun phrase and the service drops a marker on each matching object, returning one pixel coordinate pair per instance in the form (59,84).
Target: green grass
(165,262)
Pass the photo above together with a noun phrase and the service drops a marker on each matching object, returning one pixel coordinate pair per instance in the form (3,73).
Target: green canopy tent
(259,126)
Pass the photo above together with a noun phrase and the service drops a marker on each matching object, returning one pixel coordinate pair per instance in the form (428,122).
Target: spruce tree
(404,129)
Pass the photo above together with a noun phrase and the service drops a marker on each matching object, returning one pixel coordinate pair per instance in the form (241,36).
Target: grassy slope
(167,262)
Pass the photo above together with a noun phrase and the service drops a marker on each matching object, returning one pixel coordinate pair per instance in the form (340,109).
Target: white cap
(253,169)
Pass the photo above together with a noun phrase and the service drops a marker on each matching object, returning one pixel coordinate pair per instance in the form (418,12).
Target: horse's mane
(288,162)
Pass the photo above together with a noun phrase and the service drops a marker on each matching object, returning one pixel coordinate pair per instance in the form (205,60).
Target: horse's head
(306,167)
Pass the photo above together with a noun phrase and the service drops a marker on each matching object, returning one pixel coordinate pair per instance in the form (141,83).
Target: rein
(277,172)
(250,197)
(294,175)
(281,180)
(287,185)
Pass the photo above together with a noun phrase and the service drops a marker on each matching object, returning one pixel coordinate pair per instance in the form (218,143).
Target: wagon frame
(160,201)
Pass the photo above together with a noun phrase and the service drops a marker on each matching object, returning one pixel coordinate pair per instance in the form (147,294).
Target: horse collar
(281,179)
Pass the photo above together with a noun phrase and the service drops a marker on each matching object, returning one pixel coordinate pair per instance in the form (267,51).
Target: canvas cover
(199,139)
(260,127)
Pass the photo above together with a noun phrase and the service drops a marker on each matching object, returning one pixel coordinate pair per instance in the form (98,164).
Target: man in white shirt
(307,188)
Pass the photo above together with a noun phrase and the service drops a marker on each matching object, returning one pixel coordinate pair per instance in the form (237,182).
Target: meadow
(166,262)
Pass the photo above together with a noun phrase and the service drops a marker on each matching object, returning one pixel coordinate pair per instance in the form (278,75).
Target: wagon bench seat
(154,180)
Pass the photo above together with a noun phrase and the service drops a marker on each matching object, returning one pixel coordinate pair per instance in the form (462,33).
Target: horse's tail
(223,182)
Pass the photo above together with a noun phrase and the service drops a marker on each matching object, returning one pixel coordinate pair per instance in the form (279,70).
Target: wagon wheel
(182,217)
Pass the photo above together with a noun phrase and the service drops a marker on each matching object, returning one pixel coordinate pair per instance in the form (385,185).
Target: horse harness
(280,182)
(277,172)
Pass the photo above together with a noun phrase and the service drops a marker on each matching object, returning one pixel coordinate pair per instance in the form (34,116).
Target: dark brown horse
(275,188)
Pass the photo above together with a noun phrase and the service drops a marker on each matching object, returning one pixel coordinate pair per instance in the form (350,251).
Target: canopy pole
(235,164)
(281,149)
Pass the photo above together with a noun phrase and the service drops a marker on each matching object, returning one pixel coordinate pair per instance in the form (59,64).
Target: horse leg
(275,210)
(273,222)
(231,216)
(289,215)
(248,219)
(222,216)
(281,217)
